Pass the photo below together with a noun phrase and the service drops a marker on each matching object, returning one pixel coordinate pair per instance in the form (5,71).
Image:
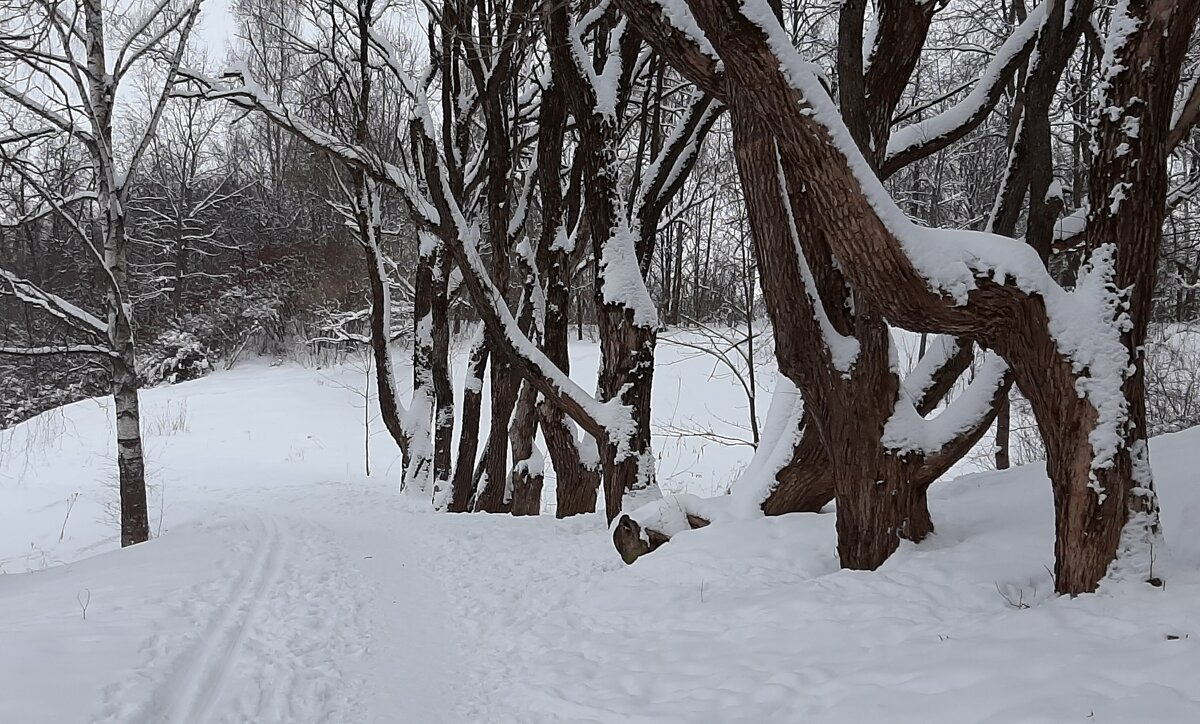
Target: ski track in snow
(191,692)
(263,654)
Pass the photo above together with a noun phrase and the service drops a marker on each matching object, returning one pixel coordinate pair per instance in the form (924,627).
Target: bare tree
(64,80)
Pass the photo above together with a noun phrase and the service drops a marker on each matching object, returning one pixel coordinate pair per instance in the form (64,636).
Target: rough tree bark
(497,47)
(881,492)
(627,331)
(462,486)
(577,482)
(1092,486)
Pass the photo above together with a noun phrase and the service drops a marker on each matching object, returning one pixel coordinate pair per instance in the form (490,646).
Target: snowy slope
(287,586)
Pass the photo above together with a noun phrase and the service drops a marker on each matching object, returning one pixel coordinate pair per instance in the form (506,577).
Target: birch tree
(63,77)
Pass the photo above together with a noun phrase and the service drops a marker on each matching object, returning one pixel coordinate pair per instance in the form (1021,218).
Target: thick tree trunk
(492,473)
(578,481)
(805,484)
(627,371)
(877,498)
(624,311)
(576,484)
(418,473)
(1092,486)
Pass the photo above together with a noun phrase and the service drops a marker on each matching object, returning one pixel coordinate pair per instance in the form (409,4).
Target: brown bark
(576,483)
(462,489)
(869,99)
(1009,320)
(805,484)
(492,473)
(881,495)
(1003,434)
(491,66)
(626,343)
(1133,165)
(526,479)
(443,409)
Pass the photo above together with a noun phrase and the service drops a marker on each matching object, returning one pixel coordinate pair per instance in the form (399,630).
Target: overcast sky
(216,28)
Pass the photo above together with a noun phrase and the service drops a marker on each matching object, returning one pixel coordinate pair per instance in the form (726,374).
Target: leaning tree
(1077,355)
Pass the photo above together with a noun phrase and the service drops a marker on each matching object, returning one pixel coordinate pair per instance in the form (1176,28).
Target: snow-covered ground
(286,585)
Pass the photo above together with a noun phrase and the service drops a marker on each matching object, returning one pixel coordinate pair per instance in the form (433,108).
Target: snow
(621,277)
(781,433)
(915,134)
(1085,323)
(906,431)
(843,349)
(680,18)
(286,586)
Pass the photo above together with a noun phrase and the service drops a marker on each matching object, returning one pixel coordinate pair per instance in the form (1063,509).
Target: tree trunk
(1003,436)
(110,227)
(577,483)
(462,488)
(492,474)
(527,475)
(627,372)
(380,336)
(1094,487)
(131,467)
(418,473)
(625,314)
(443,392)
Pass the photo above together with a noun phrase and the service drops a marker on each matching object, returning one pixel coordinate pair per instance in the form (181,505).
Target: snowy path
(288,587)
(298,608)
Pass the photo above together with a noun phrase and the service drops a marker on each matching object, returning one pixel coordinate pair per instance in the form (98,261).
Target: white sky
(217,28)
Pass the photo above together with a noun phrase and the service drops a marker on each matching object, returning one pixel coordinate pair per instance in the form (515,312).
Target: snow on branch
(781,433)
(236,87)
(907,432)
(922,378)
(679,150)
(129,55)
(843,350)
(56,306)
(621,281)
(43,111)
(679,16)
(57,350)
(922,138)
(1085,324)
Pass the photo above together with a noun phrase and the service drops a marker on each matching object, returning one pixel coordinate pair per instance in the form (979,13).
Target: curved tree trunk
(1096,485)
